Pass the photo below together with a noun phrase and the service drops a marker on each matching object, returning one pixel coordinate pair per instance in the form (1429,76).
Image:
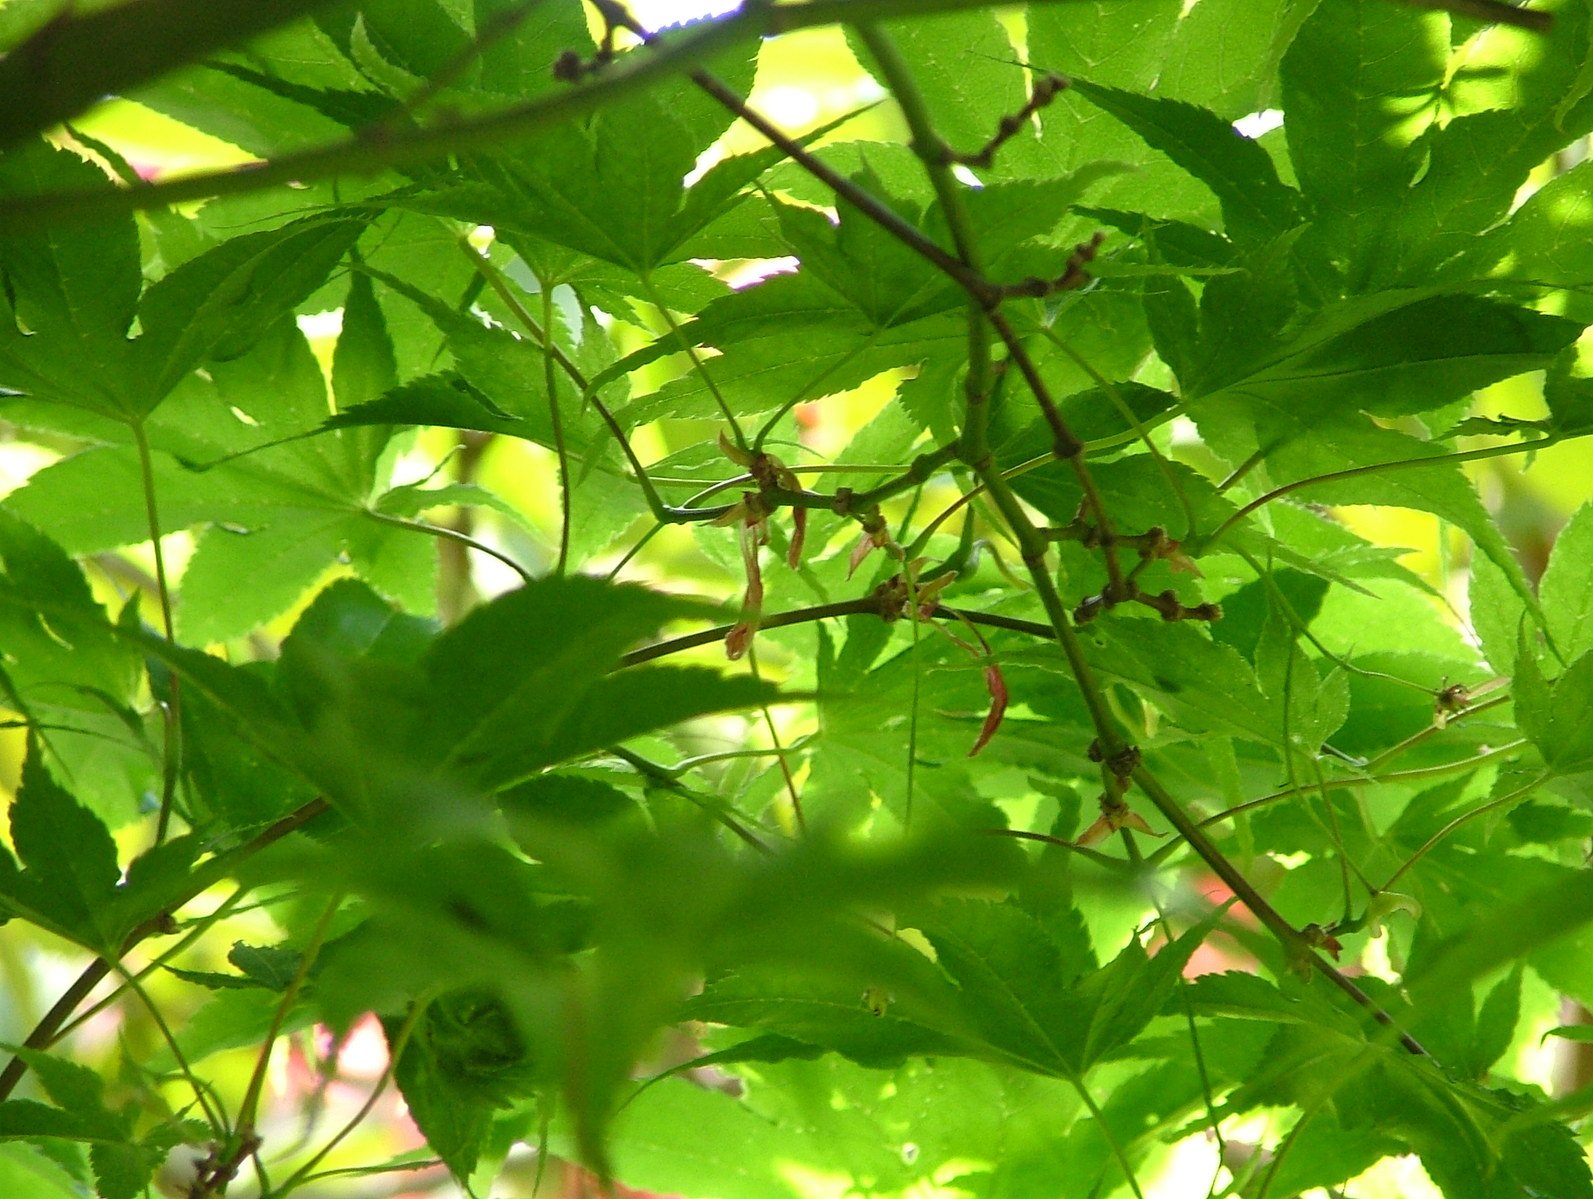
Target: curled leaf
(1181,563)
(738,513)
(739,639)
(929,595)
(783,474)
(751,539)
(997,686)
(1115,815)
(1134,822)
(859,552)
(867,544)
(1096,833)
(734,452)
(799,532)
(1171,551)
(1382,907)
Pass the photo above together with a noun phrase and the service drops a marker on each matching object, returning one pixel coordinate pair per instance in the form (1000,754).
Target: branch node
(1046,89)
(570,67)
(1066,448)
(1318,937)
(1074,275)
(1119,592)
(934,152)
(1124,763)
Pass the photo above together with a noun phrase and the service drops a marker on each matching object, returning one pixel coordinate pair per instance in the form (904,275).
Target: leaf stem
(1293,941)
(560,449)
(1208,1095)
(540,331)
(1464,765)
(1283,604)
(661,511)
(662,776)
(779,754)
(1105,1128)
(1110,390)
(215,1115)
(196,929)
(1032,545)
(662,649)
(975,449)
(172,709)
(552,355)
(249,1107)
(454,535)
(1431,730)
(371,151)
(396,1051)
(869,605)
(985,297)
(1493,805)
(819,468)
(696,359)
(1497,451)
(865,202)
(45,1031)
(1103,860)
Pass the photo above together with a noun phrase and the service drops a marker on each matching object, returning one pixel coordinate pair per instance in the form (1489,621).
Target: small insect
(1453,699)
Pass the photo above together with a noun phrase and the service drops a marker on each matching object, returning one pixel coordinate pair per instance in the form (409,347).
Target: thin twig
(396,1051)
(454,535)
(44,1032)
(774,739)
(1374,468)
(1493,805)
(1491,11)
(372,151)
(245,1140)
(556,418)
(1293,941)
(171,710)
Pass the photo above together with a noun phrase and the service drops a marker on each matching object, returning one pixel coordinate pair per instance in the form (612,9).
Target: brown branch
(1046,88)
(1372,468)
(368,154)
(875,604)
(45,1031)
(1492,11)
(975,284)
(1296,943)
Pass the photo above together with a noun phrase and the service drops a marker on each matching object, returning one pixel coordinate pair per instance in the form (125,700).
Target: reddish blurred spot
(1220,952)
(580,1184)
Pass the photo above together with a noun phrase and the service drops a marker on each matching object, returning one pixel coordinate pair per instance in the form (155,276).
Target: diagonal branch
(1374,468)
(44,1033)
(1120,760)
(371,151)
